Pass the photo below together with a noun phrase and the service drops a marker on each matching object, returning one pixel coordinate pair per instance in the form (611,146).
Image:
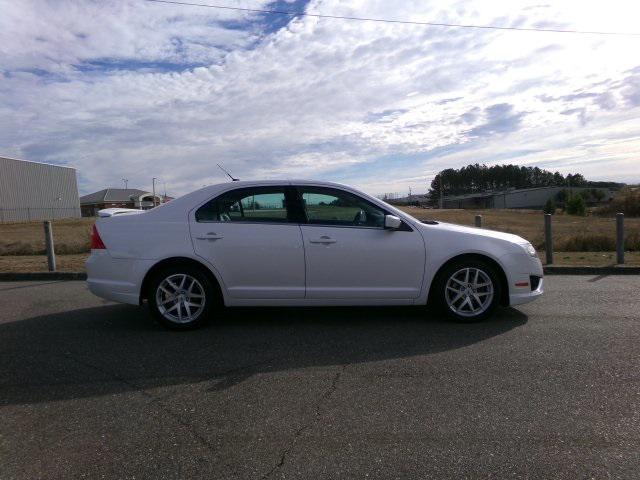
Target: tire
(463,298)
(181,298)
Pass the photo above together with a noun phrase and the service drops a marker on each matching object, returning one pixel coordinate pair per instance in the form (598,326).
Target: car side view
(301,243)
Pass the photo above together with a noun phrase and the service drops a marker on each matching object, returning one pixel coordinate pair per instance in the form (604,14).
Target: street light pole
(154,190)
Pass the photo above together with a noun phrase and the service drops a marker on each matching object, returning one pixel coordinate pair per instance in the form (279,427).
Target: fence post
(548,238)
(620,237)
(48,240)
(479,221)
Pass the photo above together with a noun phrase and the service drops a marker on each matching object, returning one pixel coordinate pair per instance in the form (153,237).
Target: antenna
(228,174)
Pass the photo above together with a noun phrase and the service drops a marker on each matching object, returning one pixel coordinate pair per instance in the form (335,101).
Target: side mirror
(392,222)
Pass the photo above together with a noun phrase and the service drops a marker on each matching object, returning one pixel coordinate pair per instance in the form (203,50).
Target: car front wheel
(469,290)
(181,298)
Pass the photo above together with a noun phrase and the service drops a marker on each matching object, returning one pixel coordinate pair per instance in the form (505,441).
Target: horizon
(378,194)
(137,90)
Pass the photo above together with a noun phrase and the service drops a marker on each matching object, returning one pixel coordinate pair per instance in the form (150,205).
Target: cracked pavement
(91,389)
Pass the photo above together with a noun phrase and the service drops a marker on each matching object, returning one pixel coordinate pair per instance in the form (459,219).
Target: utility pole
(164,198)
(126,182)
(153,182)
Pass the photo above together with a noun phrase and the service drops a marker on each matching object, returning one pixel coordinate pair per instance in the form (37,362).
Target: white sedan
(302,243)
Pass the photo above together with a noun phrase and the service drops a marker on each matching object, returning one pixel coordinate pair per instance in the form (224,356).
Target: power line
(386,20)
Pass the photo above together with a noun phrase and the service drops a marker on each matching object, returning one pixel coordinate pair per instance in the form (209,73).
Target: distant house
(520,198)
(118,198)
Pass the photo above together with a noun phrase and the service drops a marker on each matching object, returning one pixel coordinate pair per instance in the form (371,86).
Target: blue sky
(133,89)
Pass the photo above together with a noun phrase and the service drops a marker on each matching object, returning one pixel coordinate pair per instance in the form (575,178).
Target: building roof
(112,195)
(472,195)
(39,163)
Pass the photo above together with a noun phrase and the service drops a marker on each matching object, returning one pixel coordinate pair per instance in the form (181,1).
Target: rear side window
(261,204)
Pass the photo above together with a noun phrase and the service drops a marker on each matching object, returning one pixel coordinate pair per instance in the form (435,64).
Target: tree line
(480,178)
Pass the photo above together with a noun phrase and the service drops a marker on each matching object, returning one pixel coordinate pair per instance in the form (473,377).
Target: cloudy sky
(139,90)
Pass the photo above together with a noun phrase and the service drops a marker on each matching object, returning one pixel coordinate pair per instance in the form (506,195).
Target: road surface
(97,390)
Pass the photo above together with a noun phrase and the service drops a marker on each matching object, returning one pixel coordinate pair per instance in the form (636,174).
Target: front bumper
(518,298)
(520,268)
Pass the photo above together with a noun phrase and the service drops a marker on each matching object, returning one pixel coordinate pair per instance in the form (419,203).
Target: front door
(250,237)
(349,253)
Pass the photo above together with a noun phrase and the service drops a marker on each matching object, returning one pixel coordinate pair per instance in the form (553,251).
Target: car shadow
(118,348)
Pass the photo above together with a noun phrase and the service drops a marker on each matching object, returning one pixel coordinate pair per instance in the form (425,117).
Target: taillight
(96,241)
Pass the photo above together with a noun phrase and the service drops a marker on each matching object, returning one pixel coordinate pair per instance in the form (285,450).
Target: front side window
(262,204)
(334,207)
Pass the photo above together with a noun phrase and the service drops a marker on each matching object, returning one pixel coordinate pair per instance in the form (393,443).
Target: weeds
(626,201)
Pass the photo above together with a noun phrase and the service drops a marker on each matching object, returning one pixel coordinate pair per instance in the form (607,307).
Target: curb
(24,276)
(548,270)
(566,270)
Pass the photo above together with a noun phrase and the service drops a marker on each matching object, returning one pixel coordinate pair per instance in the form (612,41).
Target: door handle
(210,236)
(324,240)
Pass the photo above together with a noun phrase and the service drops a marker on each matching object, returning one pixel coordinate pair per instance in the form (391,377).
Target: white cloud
(112,89)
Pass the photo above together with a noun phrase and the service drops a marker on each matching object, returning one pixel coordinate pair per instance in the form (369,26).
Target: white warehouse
(37,191)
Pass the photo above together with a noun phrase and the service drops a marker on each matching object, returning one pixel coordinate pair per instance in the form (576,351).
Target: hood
(481,232)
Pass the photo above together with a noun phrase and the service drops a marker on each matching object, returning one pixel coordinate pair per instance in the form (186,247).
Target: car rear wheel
(469,290)
(181,297)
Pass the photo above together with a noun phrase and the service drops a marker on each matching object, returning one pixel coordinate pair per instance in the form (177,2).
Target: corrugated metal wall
(37,191)
(536,198)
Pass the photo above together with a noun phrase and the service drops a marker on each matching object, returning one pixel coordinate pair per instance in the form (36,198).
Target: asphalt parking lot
(91,389)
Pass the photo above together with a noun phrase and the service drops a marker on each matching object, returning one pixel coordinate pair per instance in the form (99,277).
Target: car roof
(175,209)
(283,181)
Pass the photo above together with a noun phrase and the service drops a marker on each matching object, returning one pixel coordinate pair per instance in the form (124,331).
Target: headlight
(529,249)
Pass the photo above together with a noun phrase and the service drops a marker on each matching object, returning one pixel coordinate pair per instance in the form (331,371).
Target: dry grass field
(22,244)
(591,233)
(27,238)
(38,263)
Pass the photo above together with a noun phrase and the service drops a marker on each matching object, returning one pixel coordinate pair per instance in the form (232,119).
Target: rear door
(349,253)
(250,236)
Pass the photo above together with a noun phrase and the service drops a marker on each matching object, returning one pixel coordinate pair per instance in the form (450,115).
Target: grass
(38,263)
(70,236)
(626,201)
(591,259)
(22,244)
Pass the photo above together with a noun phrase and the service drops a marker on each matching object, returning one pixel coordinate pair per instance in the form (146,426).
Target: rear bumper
(114,292)
(114,279)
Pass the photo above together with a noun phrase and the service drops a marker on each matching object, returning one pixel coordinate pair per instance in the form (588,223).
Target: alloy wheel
(469,292)
(180,298)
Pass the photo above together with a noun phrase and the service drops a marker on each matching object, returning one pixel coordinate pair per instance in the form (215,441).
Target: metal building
(533,198)
(37,191)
